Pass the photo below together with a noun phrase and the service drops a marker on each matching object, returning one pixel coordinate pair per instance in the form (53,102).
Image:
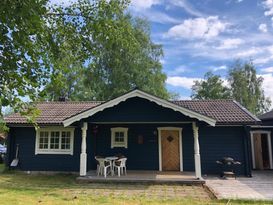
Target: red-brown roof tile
(223,111)
(54,112)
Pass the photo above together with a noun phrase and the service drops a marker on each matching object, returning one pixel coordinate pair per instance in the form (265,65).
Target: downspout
(247,149)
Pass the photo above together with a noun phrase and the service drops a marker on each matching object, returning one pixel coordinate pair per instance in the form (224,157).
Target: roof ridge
(203,100)
(246,111)
(66,102)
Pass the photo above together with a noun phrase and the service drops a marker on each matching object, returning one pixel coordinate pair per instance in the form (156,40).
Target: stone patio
(259,187)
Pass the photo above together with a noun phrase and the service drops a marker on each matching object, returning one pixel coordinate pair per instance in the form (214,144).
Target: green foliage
(103,53)
(246,87)
(23,62)
(210,88)
(90,50)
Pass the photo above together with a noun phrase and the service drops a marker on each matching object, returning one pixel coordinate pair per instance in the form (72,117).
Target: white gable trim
(141,94)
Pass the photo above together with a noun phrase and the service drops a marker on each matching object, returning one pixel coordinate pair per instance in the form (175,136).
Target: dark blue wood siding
(25,137)
(138,110)
(215,143)
(140,156)
(219,142)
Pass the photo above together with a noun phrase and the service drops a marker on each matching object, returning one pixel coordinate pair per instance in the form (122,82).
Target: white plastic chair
(120,166)
(102,166)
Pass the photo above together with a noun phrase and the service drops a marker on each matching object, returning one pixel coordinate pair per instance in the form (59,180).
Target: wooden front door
(170,150)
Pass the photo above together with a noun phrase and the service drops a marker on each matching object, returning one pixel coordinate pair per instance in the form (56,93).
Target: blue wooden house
(153,133)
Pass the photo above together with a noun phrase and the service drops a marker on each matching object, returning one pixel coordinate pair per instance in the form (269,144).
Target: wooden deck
(144,177)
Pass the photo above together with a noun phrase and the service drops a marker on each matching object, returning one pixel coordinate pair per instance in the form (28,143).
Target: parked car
(3,149)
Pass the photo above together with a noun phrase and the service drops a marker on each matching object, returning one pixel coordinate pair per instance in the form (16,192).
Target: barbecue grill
(227,166)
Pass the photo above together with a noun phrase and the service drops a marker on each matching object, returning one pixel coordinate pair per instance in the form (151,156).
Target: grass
(19,188)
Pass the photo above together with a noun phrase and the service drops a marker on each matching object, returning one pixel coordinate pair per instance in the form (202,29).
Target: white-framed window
(54,140)
(119,137)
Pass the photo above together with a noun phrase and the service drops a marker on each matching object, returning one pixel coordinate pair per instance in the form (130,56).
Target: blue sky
(208,35)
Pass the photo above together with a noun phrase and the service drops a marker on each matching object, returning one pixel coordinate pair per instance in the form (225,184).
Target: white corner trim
(252,150)
(119,129)
(141,94)
(270,150)
(54,151)
(179,129)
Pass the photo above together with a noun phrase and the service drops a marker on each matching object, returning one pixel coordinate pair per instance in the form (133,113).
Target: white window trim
(54,151)
(119,129)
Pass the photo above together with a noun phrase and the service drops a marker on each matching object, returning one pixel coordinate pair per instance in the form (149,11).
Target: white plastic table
(111,160)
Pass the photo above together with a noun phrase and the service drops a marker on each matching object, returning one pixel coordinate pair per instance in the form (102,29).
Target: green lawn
(19,188)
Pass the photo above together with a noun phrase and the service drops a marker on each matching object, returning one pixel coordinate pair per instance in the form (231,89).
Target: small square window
(119,137)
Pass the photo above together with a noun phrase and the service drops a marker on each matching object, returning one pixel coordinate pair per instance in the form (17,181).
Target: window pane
(54,140)
(43,141)
(65,141)
(119,137)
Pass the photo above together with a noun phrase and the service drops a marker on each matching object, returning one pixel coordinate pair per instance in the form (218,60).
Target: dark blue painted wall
(140,156)
(219,142)
(215,143)
(25,137)
(138,110)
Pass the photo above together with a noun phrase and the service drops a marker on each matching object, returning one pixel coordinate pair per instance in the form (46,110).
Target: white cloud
(222,67)
(200,28)
(186,6)
(263,60)
(144,4)
(184,97)
(249,52)
(184,82)
(159,17)
(268,5)
(230,43)
(267,70)
(239,1)
(263,27)
(178,70)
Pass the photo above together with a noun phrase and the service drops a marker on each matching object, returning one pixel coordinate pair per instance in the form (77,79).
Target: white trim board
(269,147)
(179,129)
(144,95)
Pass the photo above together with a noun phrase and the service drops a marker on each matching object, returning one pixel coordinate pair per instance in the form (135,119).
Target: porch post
(197,160)
(83,160)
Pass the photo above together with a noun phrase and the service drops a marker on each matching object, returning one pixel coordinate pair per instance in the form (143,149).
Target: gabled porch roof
(144,95)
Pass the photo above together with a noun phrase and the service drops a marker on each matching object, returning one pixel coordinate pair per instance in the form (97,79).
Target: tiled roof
(267,116)
(223,111)
(54,112)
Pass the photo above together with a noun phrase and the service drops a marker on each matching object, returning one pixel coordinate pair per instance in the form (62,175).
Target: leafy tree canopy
(90,50)
(246,87)
(103,52)
(23,60)
(210,88)
(243,85)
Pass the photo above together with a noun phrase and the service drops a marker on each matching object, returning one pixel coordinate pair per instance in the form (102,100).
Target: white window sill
(54,152)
